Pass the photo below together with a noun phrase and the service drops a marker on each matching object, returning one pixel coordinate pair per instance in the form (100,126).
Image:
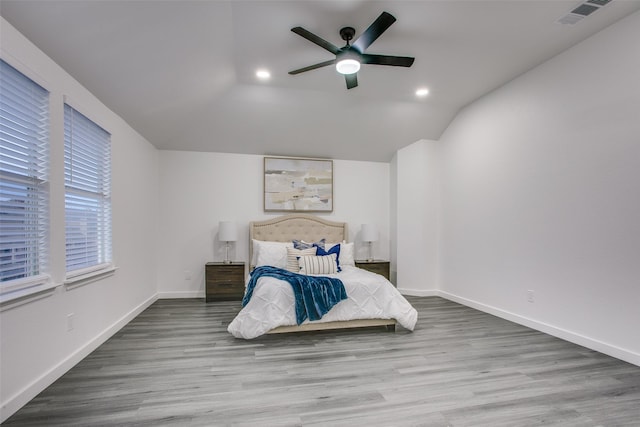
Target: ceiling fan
(349,57)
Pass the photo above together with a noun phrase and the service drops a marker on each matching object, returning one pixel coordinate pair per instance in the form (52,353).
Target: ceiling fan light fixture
(347,66)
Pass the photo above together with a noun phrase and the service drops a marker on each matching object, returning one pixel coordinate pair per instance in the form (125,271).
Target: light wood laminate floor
(175,364)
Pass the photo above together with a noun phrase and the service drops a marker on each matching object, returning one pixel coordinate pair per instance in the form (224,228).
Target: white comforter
(370,296)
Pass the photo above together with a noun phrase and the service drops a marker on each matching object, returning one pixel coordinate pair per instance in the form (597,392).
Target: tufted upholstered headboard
(306,227)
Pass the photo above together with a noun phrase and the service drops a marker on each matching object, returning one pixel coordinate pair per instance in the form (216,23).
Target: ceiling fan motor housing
(348,59)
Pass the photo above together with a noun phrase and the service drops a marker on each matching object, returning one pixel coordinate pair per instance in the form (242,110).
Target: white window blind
(24,137)
(87,177)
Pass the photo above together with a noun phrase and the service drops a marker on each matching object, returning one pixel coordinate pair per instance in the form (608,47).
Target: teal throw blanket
(314,295)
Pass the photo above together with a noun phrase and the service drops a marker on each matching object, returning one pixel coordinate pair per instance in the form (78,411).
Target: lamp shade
(369,233)
(227,231)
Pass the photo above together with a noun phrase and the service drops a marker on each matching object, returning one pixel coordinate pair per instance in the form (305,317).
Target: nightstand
(376,266)
(224,282)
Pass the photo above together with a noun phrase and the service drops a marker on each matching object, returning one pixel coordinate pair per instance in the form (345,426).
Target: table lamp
(227,233)
(369,234)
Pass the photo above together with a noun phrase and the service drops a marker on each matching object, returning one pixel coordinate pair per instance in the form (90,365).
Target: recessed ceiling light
(263,74)
(423,91)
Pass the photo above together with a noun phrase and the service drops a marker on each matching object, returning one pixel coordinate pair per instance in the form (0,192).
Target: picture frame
(298,185)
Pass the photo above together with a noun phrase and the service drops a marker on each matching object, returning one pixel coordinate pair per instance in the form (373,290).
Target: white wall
(417,206)
(393,219)
(200,189)
(35,344)
(541,192)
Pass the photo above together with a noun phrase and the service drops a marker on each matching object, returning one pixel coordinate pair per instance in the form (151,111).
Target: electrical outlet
(531,297)
(70,321)
(187,275)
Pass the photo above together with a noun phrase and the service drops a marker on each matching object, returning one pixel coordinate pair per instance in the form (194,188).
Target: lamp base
(370,257)
(226,254)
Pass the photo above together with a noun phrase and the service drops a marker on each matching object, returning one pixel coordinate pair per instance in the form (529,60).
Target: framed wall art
(298,185)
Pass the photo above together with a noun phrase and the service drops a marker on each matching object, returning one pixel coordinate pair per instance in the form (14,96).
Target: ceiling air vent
(599,2)
(582,11)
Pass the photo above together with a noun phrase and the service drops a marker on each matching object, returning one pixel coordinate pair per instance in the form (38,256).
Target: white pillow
(293,255)
(346,253)
(270,253)
(318,264)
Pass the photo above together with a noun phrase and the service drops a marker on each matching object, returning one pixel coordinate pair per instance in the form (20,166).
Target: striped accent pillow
(318,264)
(292,258)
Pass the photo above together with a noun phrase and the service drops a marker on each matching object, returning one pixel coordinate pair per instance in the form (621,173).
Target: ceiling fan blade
(317,40)
(374,31)
(352,80)
(398,61)
(313,67)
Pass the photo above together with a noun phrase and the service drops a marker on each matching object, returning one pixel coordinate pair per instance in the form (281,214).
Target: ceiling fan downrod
(347,34)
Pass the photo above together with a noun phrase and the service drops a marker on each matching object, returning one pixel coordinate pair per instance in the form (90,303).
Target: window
(24,137)
(87,178)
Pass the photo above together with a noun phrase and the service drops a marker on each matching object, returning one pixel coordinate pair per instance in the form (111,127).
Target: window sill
(38,290)
(43,287)
(84,278)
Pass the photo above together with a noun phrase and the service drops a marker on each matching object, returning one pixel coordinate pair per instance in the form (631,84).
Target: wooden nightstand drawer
(226,271)
(224,291)
(224,282)
(376,266)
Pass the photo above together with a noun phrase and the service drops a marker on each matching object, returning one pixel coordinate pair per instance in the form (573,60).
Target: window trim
(106,265)
(23,287)
(77,278)
(38,287)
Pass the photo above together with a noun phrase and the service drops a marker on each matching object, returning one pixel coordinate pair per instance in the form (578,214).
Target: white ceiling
(182,73)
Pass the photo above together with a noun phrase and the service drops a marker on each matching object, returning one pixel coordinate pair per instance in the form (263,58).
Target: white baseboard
(17,401)
(419,292)
(590,343)
(180,294)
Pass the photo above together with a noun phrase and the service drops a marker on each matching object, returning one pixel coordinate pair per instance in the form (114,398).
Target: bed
(372,301)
